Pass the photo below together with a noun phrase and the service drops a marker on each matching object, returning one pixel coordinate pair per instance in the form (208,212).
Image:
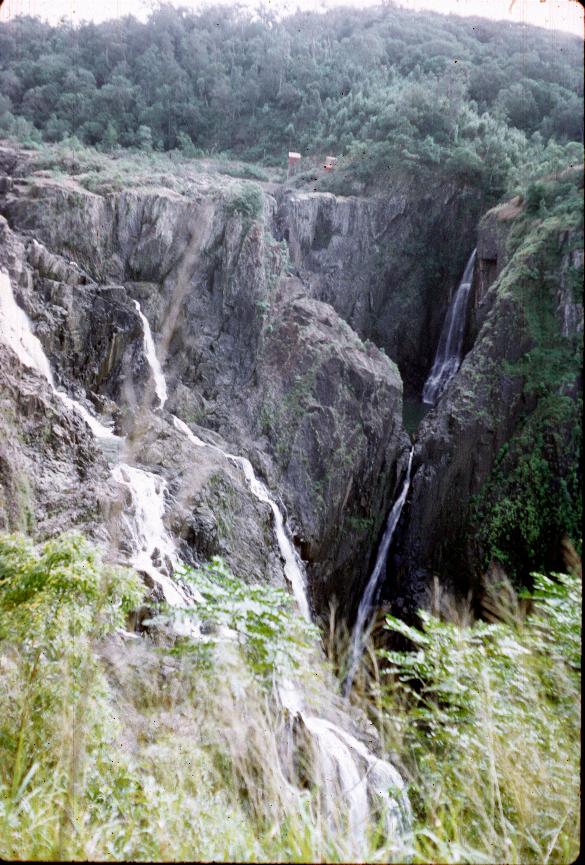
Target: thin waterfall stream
(160,383)
(144,521)
(293,568)
(347,766)
(448,356)
(373,586)
(447,362)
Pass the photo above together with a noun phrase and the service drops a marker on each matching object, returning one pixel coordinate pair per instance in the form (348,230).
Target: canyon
(290,338)
(227,372)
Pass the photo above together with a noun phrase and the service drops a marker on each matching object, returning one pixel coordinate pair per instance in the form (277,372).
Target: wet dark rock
(52,476)
(493,401)
(262,363)
(387,264)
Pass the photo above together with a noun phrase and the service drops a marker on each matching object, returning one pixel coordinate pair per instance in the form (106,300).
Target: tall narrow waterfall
(348,769)
(160,384)
(373,586)
(448,357)
(293,569)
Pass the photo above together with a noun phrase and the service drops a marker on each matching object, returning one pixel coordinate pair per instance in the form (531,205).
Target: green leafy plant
(488,722)
(262,618)
(246,202)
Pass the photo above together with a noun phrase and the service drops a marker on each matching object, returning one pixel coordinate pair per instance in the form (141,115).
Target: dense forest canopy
(383,84)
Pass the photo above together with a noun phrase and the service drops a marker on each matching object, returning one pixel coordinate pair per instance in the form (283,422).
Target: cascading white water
(160,384)
(151,540)
(373,585)
(347,767)
(16,332)
(292,567)
(340,769)
(383,778)
(350,771)
(145,522)
(448,357)
(100,430)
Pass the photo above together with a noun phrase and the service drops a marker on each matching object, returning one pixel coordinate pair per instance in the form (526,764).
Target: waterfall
(448,357)
(17,334)
(340,769)
(293,570)
(372,590)
(151,541)
(348,769)
(160,384)
(145,523)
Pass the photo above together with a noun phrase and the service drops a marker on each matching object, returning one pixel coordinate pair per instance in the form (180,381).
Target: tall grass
(119,747)
(486,718)
(115,746)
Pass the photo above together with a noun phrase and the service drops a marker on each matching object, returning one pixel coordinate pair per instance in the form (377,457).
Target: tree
(144,137)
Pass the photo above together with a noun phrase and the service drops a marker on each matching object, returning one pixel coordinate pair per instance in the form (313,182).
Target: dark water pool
(413,411)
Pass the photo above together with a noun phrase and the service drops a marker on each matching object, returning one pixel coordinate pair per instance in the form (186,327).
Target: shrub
(246,202)
(114,747)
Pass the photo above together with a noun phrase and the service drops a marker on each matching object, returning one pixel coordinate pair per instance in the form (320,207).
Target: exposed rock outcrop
(249,359)
(52,475)
(258,307)
(387,264)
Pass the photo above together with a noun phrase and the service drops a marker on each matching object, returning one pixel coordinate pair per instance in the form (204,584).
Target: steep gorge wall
(259,324)
(387,264)
(497,465)
(251,362)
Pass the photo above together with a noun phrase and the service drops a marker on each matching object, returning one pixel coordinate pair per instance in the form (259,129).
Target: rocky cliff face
(258,305)
(252,364)
(496,465)
(386,264)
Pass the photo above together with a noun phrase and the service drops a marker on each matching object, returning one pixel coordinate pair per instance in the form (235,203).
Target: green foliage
(176,754)
(488,720)
(533,495)
(380,80)
(272,637)
(246,202)
(53,605)
(66,585)
(245,172)
(120,748)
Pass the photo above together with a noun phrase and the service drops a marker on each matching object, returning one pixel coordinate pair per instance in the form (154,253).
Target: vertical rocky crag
(497,470)
(259,304)
(386,263)
(329,411)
